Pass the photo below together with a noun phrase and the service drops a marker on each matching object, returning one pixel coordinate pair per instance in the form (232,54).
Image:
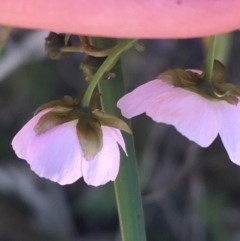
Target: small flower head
(65,141)
(197,109)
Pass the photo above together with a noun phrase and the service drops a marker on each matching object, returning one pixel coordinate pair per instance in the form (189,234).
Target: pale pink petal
(24,137)
(124,18)
(116,135)
(55,155)
(193,116)
(230,130)
(136,102)
(105,166)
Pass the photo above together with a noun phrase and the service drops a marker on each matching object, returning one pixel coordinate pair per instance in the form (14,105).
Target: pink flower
(58,155)
(198,118)
(125,19)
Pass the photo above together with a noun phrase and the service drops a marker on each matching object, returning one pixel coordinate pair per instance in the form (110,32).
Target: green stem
(210,61)
(126,186)
(223,46)
(110,60)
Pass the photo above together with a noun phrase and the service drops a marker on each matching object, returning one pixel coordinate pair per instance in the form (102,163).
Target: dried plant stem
(87,48)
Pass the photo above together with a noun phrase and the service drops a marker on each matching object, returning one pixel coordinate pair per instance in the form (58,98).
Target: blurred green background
(189,193)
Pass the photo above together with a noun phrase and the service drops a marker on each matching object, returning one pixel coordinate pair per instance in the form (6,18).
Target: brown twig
(85,47)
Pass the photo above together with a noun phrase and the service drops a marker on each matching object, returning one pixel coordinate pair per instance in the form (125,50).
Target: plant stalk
(210,60)
(127,189)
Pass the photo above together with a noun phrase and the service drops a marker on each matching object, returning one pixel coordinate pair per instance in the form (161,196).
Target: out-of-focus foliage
(197,190)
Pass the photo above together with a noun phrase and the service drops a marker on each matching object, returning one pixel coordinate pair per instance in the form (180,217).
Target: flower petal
(24,137)
(230,131)
(193,116)
(136,102)
(116,135)
(125,19)
(104,167)
(55,155)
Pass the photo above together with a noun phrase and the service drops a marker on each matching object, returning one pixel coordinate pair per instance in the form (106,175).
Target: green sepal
(89,133)
(55,117)
(66,101)
(180,78)
(195,82)
(112,121)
